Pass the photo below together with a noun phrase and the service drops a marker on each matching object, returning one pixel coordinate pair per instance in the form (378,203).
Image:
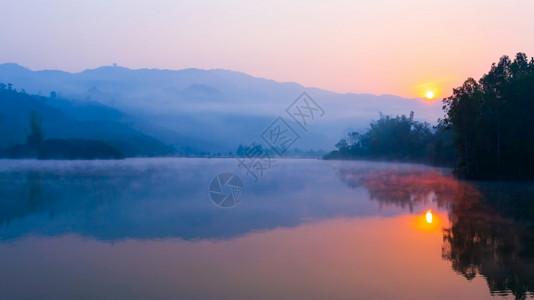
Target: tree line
(493,121)
(399,138)
(487,131)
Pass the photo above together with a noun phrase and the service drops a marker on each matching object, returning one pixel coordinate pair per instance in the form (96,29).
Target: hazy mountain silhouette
(212,110)
(70,120)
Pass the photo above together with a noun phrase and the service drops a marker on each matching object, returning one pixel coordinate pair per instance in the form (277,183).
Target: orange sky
(387,46)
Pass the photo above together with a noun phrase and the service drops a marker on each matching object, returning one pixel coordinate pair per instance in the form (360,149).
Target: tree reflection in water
(19,202)
(491,230)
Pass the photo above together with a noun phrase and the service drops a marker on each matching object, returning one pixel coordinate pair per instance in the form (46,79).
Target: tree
(396,138)
(35,134)
(342,145)
(493,121)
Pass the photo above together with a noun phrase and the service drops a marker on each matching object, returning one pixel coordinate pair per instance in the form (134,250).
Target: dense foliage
(493,121)
(487,132)
(398,138)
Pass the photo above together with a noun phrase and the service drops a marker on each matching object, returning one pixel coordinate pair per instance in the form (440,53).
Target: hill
(61,121)
(210,110)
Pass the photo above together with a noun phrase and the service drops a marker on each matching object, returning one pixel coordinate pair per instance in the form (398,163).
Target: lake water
(307,229)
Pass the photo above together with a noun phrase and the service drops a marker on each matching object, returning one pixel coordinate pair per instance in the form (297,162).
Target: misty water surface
(309,229)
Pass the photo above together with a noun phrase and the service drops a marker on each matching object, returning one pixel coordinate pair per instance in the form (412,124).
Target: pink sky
(385,46)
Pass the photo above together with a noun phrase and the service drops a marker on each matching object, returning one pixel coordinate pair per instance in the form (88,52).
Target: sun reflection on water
(429,221)
(429,216)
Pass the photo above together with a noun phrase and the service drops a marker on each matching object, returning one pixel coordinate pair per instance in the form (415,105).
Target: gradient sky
(382,46)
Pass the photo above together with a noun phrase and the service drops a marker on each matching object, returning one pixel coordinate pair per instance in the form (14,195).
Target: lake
(306,229)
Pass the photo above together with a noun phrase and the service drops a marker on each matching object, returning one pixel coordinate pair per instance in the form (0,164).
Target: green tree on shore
(399,138)
(493,121)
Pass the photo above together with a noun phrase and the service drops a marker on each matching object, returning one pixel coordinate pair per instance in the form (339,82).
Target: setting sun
(429,95)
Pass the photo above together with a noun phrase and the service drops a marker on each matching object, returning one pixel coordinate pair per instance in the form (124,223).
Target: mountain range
(159,112)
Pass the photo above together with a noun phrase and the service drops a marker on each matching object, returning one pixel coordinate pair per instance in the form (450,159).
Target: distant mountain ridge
(213,110)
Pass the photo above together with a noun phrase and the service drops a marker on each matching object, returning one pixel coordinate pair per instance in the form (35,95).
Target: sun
(429,95)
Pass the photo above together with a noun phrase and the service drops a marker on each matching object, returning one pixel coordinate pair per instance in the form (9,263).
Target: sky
(405,48)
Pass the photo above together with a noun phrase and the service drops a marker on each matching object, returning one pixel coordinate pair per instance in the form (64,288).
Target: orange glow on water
(429,221)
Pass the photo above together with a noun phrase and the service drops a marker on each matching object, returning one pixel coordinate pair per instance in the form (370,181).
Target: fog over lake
(306,229)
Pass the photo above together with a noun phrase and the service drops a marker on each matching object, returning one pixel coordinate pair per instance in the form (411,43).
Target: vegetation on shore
(37,147)
(493,121)
(487,131)
(69,123)
(399,138)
